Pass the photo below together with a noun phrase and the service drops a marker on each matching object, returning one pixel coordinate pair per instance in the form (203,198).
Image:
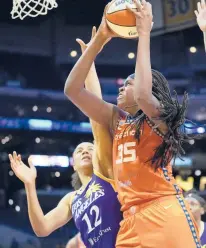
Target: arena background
(36,119)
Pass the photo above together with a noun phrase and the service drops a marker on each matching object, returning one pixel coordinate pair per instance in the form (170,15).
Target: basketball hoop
(32,8)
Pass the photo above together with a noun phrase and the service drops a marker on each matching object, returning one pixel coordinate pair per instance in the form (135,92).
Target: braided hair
(173,114)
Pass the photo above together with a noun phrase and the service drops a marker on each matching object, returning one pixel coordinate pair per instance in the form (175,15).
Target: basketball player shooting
(144,142)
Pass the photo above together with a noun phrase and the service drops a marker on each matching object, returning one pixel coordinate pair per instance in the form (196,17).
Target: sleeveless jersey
(136,180)
(96,212)
(203,235)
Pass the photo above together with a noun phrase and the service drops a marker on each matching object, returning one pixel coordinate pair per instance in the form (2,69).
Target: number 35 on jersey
(126,152)
(179,13)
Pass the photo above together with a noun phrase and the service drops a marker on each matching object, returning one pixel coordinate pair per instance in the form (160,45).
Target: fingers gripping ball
(120,20)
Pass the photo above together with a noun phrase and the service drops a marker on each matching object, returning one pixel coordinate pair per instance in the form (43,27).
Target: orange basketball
(120,20)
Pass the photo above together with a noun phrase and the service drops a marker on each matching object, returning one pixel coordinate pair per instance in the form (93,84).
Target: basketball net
(32,8)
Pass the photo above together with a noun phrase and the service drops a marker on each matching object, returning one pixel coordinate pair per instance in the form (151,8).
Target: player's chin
(121,104)
(86,164)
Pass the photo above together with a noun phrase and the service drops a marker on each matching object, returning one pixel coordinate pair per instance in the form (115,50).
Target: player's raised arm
(42,224)
(92,81)
(143,73)
(201,18)
(91,105)
(102,135)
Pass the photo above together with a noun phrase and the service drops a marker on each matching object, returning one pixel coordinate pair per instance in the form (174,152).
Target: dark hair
(173,114)
(76,182)
(194,194)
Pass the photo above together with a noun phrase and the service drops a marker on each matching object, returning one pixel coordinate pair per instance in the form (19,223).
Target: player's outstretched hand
(201,15)
(144,17)
(104,31)
(26,174)
(84,46)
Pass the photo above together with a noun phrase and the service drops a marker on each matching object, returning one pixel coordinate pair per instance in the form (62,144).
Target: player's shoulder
(68,198)
(118,115)
(119,112)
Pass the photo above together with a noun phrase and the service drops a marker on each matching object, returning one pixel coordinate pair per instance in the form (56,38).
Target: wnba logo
(123,1)
(130,33)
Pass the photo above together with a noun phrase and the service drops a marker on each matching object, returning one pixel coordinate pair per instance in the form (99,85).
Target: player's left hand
(201,15)
(144,17)
(84,46)
(104,31)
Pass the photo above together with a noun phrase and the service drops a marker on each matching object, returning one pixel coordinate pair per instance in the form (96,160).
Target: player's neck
(85,177)
(198,221)
(132,109)
(201,228)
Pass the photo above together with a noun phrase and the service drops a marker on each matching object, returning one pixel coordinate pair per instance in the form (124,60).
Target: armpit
(117,115)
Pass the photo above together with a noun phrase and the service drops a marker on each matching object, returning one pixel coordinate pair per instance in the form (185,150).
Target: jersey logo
(129,119)
(121,123)
(166,207)
(92,189)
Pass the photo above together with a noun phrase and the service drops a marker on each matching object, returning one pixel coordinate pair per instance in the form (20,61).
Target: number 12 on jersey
(126,152)
(98,220)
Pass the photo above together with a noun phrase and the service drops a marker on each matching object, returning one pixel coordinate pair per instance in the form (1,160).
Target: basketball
(121,21)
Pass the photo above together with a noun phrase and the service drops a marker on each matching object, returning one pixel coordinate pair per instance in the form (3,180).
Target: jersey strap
(111,181)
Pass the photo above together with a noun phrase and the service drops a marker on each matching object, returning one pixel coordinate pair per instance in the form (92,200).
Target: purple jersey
(203,237)
(96,212)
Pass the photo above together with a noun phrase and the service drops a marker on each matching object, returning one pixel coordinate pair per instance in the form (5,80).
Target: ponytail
(76,182)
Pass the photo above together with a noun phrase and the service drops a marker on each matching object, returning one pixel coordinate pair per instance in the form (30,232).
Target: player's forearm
(143,73)
(101,134)
(204,35)
(35,212)
(103,148)
(92,82)
(76,79)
